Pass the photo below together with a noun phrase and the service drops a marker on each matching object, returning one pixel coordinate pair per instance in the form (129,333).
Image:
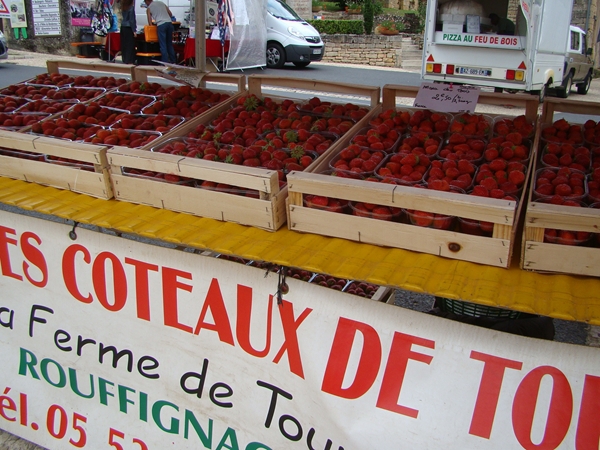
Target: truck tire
(583,88)
(275,56)
(565,89)
(302,63)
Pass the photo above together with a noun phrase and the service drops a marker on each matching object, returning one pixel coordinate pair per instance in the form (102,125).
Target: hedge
(338,26)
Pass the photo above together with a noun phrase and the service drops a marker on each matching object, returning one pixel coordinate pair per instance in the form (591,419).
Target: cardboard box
(452,27)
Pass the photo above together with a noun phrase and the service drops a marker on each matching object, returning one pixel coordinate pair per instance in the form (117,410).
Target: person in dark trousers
(128,29)
(502,25)
(161,14)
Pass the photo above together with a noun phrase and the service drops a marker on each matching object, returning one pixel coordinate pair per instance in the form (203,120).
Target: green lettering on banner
(62,380)
(190,418)
(75,385)
(257,446)
(123,400)
(156,409)
(104,394)
(229,434)
(27,360)
(143,407)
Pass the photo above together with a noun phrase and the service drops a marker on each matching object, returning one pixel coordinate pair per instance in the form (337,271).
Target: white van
(290,38)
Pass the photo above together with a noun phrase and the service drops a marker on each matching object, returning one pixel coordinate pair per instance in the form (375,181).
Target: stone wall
(374,50)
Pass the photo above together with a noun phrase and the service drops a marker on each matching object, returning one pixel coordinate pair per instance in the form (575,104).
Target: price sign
(447,97)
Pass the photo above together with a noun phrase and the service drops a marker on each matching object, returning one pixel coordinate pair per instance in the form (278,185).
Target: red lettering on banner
(214,301)
(170,284)
(559,413)
(118,277)
(34,256)
(142,283)
(494,40)
(290,344)
(489,392)
(339,356)
(4,255)
(588,431)
(244,315)
(68,270)
(400,353)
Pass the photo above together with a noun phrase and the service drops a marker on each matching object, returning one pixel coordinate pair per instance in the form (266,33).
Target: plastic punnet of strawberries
(564,182)
(564,237)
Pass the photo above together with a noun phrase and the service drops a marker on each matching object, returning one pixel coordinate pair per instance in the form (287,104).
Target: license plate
(317,51)
(472,71)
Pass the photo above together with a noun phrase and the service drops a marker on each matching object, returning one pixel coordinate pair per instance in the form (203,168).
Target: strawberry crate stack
(46,151)
(231,162)
(447,184)
(562,221)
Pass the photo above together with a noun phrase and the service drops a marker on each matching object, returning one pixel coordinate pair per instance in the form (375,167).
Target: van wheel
(302,63)
(275,56)
(584,87)
(565,89)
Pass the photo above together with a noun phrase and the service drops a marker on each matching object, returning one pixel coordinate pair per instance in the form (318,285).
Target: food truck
(461,44)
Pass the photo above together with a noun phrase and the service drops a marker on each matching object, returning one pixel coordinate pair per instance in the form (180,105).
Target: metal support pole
(200,22)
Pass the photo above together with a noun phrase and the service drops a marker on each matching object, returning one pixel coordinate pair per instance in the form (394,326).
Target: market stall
(292,371)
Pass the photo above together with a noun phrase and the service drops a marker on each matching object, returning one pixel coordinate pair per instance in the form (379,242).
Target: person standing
(128,29)
(162,15)
(502,25)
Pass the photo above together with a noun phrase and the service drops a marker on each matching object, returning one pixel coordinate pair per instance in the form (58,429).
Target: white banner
(110,343)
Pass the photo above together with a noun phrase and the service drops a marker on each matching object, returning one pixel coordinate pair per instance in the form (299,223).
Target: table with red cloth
(213,48)
(113,44)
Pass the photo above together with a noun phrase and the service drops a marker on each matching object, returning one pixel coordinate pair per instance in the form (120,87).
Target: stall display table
(112,45)
(214,50)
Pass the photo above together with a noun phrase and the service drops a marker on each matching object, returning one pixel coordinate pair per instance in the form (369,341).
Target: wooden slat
(54,66)
(240,176)
(553,105)
(528,102)
(142,72)
(191,200)
(543,257)
(257,82)
(96,184)
(543,215)
(88,153)
(483,250)
(470,207)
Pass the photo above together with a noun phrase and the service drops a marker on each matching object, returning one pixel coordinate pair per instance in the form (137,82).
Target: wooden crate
(536,255)
(63,176)
(495,251)
(267,212)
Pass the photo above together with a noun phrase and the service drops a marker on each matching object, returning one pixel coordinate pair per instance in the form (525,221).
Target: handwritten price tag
(447,98)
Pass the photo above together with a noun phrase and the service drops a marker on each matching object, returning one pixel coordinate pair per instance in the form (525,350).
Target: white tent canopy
(248,35)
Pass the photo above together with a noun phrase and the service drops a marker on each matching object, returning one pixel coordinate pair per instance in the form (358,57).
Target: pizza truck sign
(480,40)
(110,343)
